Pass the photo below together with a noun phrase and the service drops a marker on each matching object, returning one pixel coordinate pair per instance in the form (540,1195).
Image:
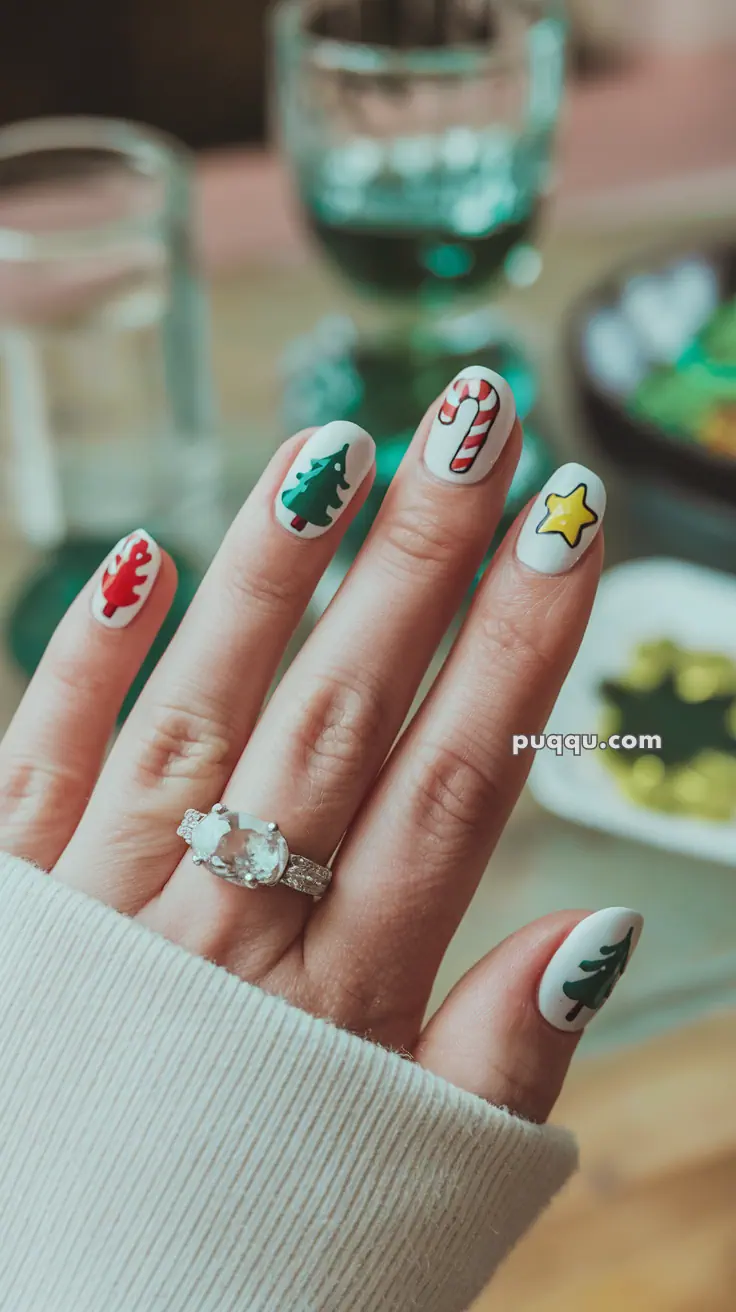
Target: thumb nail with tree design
(324,478)
(586,968)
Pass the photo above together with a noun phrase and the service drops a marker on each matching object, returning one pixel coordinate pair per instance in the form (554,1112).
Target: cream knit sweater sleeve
(174,1140)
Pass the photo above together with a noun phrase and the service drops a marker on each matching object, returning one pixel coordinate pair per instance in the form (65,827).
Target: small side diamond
(188,825)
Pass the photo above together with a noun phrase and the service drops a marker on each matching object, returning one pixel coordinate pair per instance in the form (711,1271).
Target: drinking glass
(420,138)
(108,416)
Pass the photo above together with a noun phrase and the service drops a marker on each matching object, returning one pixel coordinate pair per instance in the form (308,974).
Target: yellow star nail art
(568,515)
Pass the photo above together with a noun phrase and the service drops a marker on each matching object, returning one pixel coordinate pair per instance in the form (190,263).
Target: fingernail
(126,580)
(563,521)
(472,426)
(324,478)
(586,968)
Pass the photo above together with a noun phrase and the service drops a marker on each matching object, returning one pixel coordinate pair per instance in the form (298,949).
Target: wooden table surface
(649,1224)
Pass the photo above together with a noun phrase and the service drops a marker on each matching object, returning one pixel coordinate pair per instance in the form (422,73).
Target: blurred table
(647,159)
(648,1225)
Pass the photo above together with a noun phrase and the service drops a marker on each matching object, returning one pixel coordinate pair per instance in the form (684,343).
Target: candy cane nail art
(472,425)
(126,580)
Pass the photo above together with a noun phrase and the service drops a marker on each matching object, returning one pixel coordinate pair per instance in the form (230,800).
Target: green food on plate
(694,400)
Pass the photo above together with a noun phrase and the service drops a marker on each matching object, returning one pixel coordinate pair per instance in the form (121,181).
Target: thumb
(509,1029)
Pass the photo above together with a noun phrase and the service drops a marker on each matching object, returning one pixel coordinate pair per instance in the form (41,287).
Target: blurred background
(221,223)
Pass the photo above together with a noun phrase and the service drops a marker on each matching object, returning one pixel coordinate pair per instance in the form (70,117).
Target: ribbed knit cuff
(174,1140)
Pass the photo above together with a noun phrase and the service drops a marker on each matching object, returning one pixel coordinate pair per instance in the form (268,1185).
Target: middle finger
(333,719)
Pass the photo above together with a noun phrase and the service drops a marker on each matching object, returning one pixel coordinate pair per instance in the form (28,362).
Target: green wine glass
(420,139)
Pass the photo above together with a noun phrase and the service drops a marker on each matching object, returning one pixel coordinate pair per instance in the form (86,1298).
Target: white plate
(643,601)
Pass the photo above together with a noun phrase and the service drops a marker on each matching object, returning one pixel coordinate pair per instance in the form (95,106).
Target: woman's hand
(414,831)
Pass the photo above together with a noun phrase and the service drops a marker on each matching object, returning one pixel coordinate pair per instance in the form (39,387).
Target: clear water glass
(107,414)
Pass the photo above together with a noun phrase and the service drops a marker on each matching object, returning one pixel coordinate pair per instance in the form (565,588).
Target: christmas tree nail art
(324,478)
(317,492)
(127,578)
(584,971)
(600,979)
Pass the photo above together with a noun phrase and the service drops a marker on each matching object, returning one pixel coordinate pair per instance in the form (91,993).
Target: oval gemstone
(240,846)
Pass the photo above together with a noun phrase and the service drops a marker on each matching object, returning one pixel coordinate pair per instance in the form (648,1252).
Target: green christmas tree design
(601,978)
(317,491)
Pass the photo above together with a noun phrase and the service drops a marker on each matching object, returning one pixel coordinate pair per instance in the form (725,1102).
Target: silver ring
(253,853)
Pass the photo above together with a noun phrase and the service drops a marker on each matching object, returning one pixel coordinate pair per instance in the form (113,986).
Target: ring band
(250,852)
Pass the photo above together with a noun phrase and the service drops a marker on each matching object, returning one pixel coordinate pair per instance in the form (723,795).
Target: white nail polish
(585,969)
(563,521)
(471,427)
(126,580)
(324,478)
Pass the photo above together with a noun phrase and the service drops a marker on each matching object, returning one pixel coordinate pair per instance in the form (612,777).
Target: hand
(414,831)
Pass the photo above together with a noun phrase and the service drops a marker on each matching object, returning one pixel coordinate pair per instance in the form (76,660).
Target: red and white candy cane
(489,404)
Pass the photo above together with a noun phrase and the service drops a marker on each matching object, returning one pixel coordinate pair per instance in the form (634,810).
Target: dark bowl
(640,343)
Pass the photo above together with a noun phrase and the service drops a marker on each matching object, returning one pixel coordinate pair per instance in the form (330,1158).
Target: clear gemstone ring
(248,851)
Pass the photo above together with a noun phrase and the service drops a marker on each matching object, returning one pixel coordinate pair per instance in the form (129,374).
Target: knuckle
(257,589)
(514,638)
(86,682)
(451,796)
(417,538)
(340,722)
(35,790)
(182,743)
